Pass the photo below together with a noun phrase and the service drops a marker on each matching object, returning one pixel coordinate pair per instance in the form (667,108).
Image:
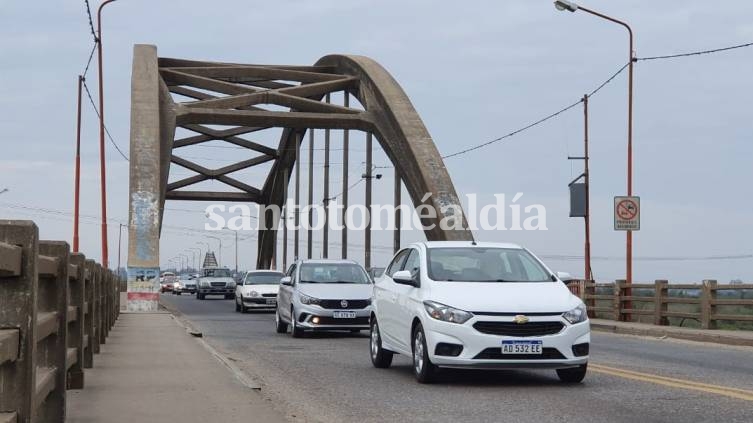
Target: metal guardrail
(56,308)
(619,301)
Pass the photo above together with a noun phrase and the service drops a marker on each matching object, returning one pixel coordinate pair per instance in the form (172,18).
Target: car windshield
(217,273)
(333,273)
(267,278)
(477,264)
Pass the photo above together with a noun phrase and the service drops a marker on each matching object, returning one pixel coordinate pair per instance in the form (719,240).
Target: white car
(257,290)
(477,305)
(324,295)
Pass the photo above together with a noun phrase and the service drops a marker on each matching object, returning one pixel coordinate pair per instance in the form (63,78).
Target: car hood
(336,291)
(261,289)
(504,297)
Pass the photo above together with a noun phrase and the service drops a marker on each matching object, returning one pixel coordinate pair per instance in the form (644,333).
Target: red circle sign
(627,209)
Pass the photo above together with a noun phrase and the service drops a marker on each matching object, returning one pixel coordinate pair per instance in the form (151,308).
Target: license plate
(271,300)
(521,347)
(344,314)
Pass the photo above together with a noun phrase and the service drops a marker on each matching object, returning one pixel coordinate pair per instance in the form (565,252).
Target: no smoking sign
(627,213)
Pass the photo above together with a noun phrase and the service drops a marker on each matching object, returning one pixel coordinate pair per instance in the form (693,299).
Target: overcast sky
(474,70)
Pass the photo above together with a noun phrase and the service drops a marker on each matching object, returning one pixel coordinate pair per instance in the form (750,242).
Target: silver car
(324,295)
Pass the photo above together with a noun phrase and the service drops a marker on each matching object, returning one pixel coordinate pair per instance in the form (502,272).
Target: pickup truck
(215,281)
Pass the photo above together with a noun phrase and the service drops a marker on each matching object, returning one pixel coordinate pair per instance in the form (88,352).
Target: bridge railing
(56,308)
(707,305)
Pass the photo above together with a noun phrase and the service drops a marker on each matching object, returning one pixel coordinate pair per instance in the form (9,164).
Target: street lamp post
(572,7)
(195,251)
(103,185)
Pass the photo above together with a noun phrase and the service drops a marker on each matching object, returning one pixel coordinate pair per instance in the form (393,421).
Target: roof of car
(470,244)
(328,261)
(265,271)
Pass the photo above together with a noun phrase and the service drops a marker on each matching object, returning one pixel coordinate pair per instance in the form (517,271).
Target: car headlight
(305,299)
(253,294)
(576,315)
(446,313)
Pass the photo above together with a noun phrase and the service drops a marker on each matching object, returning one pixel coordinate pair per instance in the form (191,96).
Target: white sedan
(477,305)
(258,290)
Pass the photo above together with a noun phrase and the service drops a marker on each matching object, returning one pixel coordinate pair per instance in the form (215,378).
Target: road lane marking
(736,393)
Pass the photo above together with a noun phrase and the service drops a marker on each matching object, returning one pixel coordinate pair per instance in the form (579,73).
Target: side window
(397,263)
(413,263)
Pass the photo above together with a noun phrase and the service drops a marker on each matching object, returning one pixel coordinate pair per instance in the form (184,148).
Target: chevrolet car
(479,306)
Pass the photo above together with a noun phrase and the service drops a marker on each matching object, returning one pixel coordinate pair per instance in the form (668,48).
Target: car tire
(237,307)
(573,374)
(244,309)
(423,369)
(229,296)
(380,357)
(294,329)
(280,326)
(200,296)
(179,293)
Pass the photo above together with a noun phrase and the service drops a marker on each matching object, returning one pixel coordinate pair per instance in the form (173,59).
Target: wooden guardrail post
(708,296)
(617,302)
(90,272)
(52,328)
(661,292)
(96,321)
(18,290)
(77,301)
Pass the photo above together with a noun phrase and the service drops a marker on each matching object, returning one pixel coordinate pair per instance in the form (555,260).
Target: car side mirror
(404,277)
(287,281)
(565,277)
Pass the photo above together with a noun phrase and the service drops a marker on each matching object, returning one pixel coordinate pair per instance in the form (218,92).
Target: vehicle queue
(444,304)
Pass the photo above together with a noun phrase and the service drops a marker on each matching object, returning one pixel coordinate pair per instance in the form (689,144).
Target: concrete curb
(677,333)
(186,324)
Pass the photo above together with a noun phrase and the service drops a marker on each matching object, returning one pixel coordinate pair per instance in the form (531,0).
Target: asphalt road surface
(329,377)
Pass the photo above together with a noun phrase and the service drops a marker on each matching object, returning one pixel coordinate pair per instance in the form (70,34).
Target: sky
(474,71)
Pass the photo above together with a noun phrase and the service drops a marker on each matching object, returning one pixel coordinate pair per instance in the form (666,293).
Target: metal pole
(587,255)
(77,177)
(309,247)
(102,166)
(325,236)
(367,234)
(346,142)
(236,251)
(120,232)
(628,234)
(398,221)
(285,222)
(296,212)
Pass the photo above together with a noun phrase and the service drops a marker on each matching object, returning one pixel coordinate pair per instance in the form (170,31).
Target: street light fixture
(572,7)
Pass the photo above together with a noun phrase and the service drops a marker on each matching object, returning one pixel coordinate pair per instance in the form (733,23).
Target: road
(328,378)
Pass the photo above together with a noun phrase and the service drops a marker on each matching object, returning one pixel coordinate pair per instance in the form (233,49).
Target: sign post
(627,213)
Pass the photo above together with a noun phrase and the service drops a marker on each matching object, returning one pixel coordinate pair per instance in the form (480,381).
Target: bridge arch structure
(231,102)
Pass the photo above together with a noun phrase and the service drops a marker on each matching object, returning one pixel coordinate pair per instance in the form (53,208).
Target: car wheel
(237,307)
(380,357)
(280,326)
(573,375)
(295,330)
(423,369)
(200,296)
(244,309)
(180,292)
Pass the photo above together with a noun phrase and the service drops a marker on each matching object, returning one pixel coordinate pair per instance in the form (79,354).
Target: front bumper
(259,302)
(216,290)
(316,318)
(483,351)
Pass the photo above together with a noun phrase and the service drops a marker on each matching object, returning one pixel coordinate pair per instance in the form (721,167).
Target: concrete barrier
(56,308)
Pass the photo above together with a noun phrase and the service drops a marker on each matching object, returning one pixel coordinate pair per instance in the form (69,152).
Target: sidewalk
(152,370)
(728,337)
